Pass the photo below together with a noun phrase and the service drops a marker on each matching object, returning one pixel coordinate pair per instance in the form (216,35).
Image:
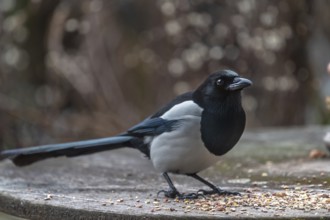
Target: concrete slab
(270,168)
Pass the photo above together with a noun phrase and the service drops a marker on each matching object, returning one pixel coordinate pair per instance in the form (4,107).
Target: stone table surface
(271,168)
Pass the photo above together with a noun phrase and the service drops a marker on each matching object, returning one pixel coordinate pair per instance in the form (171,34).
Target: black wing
(153,127)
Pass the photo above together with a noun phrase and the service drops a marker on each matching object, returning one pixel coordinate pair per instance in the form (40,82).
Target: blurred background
(79,69)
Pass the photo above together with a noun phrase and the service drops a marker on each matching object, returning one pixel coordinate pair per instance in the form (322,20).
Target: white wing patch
(183,109)
(182,150)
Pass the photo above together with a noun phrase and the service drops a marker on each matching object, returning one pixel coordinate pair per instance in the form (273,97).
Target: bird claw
(218,191)
(169,193)
(175,194)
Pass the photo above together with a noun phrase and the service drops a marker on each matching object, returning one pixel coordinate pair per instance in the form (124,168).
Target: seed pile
(305,200)
(276,201)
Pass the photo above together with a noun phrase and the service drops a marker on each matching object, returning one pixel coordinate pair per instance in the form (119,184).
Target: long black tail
(26,156)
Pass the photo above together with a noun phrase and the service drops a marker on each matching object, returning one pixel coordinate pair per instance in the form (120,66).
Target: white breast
(182,150)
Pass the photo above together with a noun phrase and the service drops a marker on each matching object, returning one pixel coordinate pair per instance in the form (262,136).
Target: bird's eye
(219,82)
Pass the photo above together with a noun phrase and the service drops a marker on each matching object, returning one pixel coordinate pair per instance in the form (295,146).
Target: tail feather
(27,156)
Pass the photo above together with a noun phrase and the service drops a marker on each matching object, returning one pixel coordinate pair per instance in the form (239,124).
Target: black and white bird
(186,136)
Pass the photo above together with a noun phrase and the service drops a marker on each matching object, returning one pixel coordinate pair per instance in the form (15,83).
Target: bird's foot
(218,191)
(169,193)
(175,194)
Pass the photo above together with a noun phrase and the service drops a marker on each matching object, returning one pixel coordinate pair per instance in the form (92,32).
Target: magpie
(186,136)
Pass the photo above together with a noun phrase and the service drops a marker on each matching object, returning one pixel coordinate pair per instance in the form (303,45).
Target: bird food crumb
(48,197)
(316,154)
(172,209)
(120,200)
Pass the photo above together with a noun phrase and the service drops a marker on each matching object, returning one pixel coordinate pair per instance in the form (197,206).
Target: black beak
(239,83)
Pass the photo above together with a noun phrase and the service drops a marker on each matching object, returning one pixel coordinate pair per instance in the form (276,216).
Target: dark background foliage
(78,69)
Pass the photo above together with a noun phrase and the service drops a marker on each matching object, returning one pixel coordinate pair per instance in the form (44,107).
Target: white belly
(181,150)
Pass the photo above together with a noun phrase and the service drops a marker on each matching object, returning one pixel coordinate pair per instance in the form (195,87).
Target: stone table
(270,168)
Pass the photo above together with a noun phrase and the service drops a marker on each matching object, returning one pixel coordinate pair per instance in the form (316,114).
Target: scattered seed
(315,153)
(324,196)
(280,194)
(304,199)
(120,200)
(48,197)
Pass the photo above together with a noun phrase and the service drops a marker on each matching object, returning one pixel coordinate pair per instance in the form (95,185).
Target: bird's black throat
(222,123)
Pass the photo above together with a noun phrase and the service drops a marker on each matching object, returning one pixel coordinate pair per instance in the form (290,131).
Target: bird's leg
(173,192)
(215,189)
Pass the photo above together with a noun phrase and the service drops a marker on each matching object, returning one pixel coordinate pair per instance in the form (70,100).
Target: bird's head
(220,85)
